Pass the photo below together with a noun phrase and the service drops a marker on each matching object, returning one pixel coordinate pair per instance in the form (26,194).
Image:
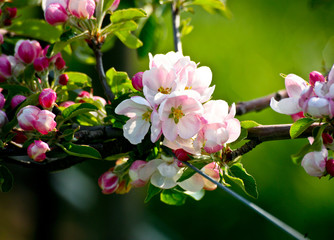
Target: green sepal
(300,126)
(238,174)
(6,179)
(173,197)
(80,150)
(151,192)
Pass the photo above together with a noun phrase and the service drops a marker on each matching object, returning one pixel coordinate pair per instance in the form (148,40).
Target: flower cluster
(177,105)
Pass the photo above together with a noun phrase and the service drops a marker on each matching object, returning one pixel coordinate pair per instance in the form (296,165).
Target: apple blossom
(135,174)
(16,100)
(47,98)
(44,123)
(17,66)
(37,150)
(27,51)
(314,163)
(63,79)
(55,13)
(3,118)
(27,116)
(82,8)
(137,81)
(2,101)
(213,171)
(41,63)
(316,77)
(60,62)
(5,68)
(181,154)
(108,182)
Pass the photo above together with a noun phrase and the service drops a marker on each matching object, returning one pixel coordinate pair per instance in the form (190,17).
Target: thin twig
(176,26)
(286,228)
(259,103)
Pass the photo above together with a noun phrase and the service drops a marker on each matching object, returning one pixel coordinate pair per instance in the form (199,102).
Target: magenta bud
(27,116)
(3,118)
(41,63)
(12,12)
(316,77)
(181,154)
(137,81)
(83,9)
(114,5)
(55,14)
(5,69)
(27,51)
(45,122)
(16,100)
(327,138)
(37,150)
(2,101)
(47,98)
(108,182)
(84,94)
(330,167)
(63,79)
(60,63)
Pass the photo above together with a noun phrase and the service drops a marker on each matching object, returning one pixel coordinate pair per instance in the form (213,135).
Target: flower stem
(286,228)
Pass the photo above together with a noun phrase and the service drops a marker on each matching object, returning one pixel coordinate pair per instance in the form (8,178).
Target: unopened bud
(47,98)
(63,79)
(108,182)
(316,77)
(55,14)
(330,167)
(37,150)
(16,100)
(181,154)
(40,64)
(137,81)
(327,138)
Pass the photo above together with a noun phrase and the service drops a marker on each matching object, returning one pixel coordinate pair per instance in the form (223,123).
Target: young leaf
(6,179)
(212,6)
(298,157)
(151,192)
(78,81)
(127,15)
(172,197)
(80,151)
(238,174)
(129,40)
(249,124)
(76,109)
(119,82)
(300,126)
(122,26)
(116,156)
(37,29)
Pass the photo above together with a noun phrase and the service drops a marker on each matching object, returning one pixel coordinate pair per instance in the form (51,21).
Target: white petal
(141,101)
(168,169)
(294,85)
(135,130)
(169,129)
(287,106)
(130,109)
(189,126)
(146,171)
(162,182)
(192,184)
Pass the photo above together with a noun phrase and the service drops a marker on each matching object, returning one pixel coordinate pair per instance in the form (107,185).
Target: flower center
(176,114)
(164,90)
(188,88)
(147,116)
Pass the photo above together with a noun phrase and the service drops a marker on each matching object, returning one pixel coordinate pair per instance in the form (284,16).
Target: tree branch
(259,103)
(176,21)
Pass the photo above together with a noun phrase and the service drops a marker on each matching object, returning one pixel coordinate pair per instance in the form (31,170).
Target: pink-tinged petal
(318,107)
(150,167)
(202,78)
(189,126)
(186,144)
(156,128)
(287,106)
(134,170)
(212,170)
(192,184)
(135,129)
(168,170)
(169,129)
(130,109)
(331,75)
(314,163)
(232,112)
(215,111)
(162,182)
(294,85)
(206,95)
(141,101)
(234,129)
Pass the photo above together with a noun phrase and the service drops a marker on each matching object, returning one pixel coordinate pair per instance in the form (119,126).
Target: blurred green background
(246,55)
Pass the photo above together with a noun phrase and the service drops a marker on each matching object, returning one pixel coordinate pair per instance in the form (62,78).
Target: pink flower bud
(3,118)
(16,100)
(137,81)
(45,122)
(2,101)
(136,166)
(212,170)
(60,63)
(47,98)
(82,8)
(330,167)
(12,12)
(108,182)
(55,14)
(63,79)
(27,116)
(327,138)
(114,5)
(37,150)
(5,69)
(67,104)
(314,163)
(316,77)
(101,100)
(181,154)
(41,63)
(27,51)
(84,94)
(1,38)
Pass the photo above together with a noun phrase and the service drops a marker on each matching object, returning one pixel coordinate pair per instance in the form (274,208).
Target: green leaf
(300,126)
(317,134)
(172,197)
(122,26)
(127,14)
(77,109)
(298,157)
(37,29)
(151,192)
(188,172)
(249,124)
(6,179)
(80,151)
(186,28)
(238,174)
(68,134)
(77,80)
(119,82)
(129,40)
(212,6)
(116,156)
